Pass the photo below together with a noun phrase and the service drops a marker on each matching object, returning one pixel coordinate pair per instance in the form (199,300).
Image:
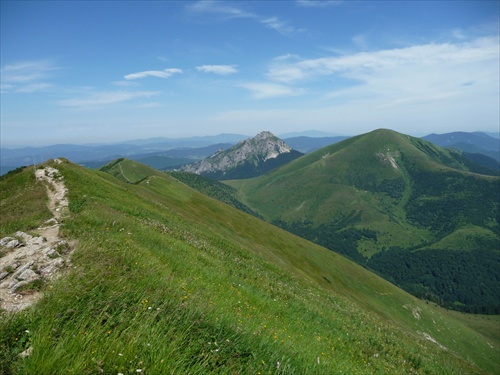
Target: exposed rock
(52,221)
(35,256)
(53,254)
(12,244)
(250,154)
(22,269)
(27,275)
(4,241)
(26,353)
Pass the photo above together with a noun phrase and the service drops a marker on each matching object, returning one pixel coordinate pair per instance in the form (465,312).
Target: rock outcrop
(29,260)
(248,158)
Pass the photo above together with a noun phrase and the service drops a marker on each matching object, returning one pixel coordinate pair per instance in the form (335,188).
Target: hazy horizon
(307,133)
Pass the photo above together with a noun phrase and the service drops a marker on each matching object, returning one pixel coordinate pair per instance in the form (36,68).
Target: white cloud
(265,90)
(415,90)
(279,25)
(318,3)
(100,99)
(287,56)
(34,87)
(166,73)
(219,8)
(218,69)
(27,76)
(413,59)
(125,83)
(223,10)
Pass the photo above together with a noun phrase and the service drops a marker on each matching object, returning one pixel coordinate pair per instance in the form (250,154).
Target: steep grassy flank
(384,190)
(166,280)
(129,170)
(213,189)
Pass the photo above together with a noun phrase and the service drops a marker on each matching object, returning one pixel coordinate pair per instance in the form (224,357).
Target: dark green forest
(443,204)
(463,280)
(467,281)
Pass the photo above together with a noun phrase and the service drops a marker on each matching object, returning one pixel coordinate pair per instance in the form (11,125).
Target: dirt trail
(31,260)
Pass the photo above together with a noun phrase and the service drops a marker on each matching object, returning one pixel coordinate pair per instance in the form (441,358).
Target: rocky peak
(264,135)
(257,150)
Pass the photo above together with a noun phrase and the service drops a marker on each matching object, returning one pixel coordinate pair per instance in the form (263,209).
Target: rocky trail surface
(27,261)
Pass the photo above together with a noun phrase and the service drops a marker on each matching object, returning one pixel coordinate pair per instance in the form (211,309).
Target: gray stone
(27,275)
(4,241)
(12,244)
(23,268)
(26,353)
(53,254)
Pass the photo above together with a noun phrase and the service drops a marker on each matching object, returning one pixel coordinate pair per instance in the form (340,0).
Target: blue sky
(96,71)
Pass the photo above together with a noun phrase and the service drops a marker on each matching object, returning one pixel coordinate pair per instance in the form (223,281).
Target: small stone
(27,275)
(12,244)
(3,275)
(24,236)
(26,353)
(52,221)
(53,254)
(4,241)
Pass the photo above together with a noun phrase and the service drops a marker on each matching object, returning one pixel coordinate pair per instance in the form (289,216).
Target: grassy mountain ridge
(380,191)
(167,280)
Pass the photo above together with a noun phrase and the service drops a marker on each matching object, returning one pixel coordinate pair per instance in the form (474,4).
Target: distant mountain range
(472,143)
(161,153)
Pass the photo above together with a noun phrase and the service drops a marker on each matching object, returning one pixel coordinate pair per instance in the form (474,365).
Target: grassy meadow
(165,280)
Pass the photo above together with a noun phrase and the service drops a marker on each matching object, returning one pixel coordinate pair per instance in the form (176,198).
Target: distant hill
(100,154)
(166,159)
(471,143)
(248,158)
(390,201)
(308,144)
(166,280)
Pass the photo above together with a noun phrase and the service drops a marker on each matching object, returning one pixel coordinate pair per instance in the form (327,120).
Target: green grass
(23,202)
(168,281)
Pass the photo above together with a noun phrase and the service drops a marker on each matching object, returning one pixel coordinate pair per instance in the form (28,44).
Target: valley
(388,201)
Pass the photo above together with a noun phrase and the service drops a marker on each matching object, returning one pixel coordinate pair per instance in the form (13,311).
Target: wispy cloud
(219,8)
(364,64)
(166,73)
(318,3)
(438,84)
(218,69)
(279,25)
(27,76)
(124,83)
(104,98)
(265,90)
(226,10)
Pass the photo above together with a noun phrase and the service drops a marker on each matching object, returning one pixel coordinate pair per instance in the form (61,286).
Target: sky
(107,71)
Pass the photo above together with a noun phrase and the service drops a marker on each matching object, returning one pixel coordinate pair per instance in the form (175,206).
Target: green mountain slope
(166,280)
(386,191)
